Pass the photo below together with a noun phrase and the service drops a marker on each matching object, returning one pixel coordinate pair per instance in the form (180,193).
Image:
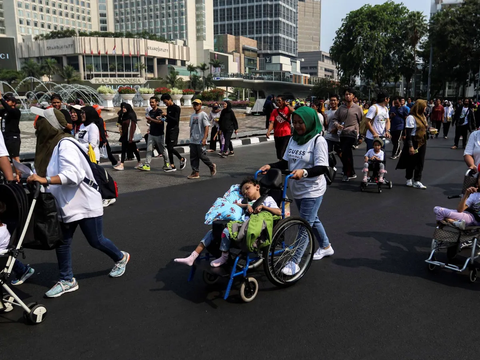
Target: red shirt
(437,113)
(281,127)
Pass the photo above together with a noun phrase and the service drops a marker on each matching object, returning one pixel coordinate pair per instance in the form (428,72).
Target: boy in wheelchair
(250,189)
(467,213)
(375,162)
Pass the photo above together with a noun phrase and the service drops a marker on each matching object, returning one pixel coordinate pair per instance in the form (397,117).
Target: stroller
(453,240)
(292,238)
(17,218)
(372,179)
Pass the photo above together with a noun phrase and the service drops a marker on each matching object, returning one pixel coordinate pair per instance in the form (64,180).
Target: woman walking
(306,158)
(128,120)
(415,146)
(89,134)
(62,168)
(214,117)
(228,124)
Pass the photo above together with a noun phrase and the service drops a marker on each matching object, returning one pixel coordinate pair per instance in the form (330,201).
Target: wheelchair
(372,179)
(292,239)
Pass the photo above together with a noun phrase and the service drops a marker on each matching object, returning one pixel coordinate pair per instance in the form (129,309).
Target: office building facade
(187,21)
(243,50)
(309,20)
(272,23)
(318,64)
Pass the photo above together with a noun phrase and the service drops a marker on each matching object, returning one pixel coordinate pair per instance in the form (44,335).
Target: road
(374,299)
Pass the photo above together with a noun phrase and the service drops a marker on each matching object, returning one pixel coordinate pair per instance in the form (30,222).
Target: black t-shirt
(10,118)
(155,128)
(173,119)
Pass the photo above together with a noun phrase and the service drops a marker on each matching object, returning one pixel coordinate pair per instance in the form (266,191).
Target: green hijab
(312,125)
(47,138)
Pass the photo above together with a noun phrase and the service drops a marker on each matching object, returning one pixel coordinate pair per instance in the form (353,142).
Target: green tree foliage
(60,34)
(11,75)
(68,74)
(49,67)
(195,82)
(32,68)
(324,88)
(455,40)
(191,68)
(173,79)
(378,43)
(203,68)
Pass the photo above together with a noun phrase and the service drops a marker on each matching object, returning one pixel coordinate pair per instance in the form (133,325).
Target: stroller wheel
(249,289)
(390,184)
(210,279)
(473,275)
(37,313)
(7,302)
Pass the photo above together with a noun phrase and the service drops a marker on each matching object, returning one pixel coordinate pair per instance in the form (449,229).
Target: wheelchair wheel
(473,275)
(210,279)
(292,243)
(249,289)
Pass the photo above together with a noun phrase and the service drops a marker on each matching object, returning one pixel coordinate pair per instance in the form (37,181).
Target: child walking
(374,161)
(250,188)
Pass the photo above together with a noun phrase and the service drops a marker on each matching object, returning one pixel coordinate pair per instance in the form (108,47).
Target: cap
(197,101)
(76,107)
(378,140)
(10,98)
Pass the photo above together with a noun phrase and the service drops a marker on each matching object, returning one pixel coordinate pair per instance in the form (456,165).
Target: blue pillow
(224,208)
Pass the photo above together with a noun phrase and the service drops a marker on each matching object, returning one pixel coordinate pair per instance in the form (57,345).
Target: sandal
(454,147)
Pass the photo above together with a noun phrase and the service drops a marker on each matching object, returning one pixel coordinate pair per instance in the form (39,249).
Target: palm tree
(191,68)
(416,29)
(90,69)
(32,68)
(215,63)
(172,79)
(69,74)
(50,67)
(195,82)
(203,67)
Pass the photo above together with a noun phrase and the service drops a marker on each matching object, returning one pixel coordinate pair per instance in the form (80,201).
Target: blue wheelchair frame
(249,259)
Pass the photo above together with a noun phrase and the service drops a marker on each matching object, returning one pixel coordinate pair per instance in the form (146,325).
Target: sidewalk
(248,126)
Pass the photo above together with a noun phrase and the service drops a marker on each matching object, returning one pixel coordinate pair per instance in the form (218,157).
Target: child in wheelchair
(375,162)
(250,189)
(467,212)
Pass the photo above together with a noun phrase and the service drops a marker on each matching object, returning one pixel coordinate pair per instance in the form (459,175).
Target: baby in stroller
(250,188)
(375,161)
(468,210)
(22,272)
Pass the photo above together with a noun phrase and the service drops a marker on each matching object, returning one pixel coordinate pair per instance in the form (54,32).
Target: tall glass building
(273,23)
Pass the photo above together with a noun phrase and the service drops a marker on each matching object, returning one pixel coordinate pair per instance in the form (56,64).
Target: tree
(69,74)
(191,68)
(203,67)
(208,82)
(215,63)
(32,68)
(172,79)
(325,87)
(140,66)
(369,43)
(49,67)
(195,82)
(11,75)
(90,69)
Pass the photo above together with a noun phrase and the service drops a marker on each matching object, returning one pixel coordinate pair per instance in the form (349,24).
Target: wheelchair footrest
(204,265)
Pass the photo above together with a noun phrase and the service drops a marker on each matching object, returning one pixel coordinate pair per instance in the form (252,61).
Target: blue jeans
(92,228)
(19,268)
(224,244)
(308,209)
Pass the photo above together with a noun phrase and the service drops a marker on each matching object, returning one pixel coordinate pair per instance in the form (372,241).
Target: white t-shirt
(76,200)
(313,153)
(89,135)
(4,237)
(464,116)
(473,147)
(268,202)
(3,148)
(371,152)
(473,202)
(379,121)
(410,123)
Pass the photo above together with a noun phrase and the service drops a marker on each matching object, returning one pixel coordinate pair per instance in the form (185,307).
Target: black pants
(197,154)
(12,143)
(346,144)
(213,142)
(396,141)
(446,127)
(126,147)
(414,167)
(228,141)
(438,126)
(171,141)
(281,143)
(461,130)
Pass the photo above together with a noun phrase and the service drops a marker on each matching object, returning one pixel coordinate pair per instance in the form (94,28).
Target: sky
(333,11)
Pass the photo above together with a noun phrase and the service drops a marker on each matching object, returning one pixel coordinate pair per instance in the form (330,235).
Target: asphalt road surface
(374,299)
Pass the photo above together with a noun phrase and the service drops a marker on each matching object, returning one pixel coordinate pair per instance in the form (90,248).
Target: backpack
(102,182)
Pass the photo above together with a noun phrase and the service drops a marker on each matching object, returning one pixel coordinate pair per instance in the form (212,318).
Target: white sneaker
(108,202)
(419,185)
(290,269)
(409,182)
(459,224)
(321,253)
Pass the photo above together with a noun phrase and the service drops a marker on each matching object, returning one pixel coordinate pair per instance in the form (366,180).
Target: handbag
(137,135)
(44,232)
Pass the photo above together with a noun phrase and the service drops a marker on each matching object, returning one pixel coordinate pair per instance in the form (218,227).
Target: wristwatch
(305,173)
(49,180)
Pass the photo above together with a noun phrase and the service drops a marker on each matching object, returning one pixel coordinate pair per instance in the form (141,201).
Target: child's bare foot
(189,260)
(220,261)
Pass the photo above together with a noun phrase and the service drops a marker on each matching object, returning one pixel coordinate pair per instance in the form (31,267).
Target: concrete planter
(146,99)
(176,99)
(128,98)
(187,100)
(107,100)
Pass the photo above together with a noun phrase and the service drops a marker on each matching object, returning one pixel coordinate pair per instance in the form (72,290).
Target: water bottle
(339,132)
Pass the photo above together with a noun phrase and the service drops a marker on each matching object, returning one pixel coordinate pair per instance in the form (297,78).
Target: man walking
(464,120)
(331,135)
(173,129)
(10,120)
(378,124)
(198,139)
(347,121)
(156,136)
(281,125)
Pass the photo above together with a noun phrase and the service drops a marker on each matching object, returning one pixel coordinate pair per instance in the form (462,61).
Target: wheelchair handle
(256,174)
(36,187)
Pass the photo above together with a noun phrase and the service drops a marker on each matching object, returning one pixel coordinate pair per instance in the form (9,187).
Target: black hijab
(129,115)
(91,115)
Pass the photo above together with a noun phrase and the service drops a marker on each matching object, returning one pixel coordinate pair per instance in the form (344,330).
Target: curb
(244,138)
